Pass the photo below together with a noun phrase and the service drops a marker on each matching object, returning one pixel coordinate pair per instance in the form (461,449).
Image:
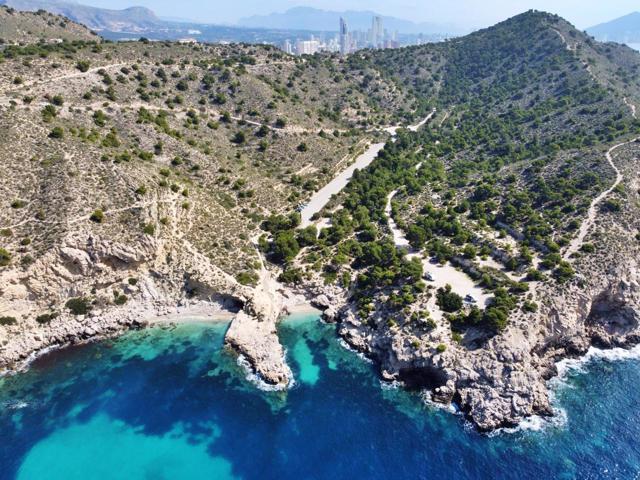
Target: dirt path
(631,106)
(577,242)
(66,76)
(438,275)
(321,197)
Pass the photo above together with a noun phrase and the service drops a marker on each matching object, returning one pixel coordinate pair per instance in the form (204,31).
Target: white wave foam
(427,398)
(15,405)
(566,367)
(579,365)
(255,379)
(353,350)
(537,423)
(392,385)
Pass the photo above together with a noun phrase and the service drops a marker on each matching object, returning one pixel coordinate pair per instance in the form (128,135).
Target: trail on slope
(319,199)
(66,76)
(577,242)
(631,106)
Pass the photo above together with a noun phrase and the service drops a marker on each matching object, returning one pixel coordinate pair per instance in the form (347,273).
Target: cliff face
(505,380)
(130,283)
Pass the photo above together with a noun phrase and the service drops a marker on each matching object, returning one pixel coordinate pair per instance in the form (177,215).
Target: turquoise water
(172,404)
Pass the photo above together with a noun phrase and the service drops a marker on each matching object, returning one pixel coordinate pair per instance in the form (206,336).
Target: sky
(463,13)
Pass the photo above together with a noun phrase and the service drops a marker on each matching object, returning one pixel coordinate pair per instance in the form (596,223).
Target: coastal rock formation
(505,381)
(130,284)
(253,334)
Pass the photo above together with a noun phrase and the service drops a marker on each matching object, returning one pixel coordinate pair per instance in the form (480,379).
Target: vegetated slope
(525,108)
(145,170)
(139,168)
(40,26)
(497,185)
(134,19)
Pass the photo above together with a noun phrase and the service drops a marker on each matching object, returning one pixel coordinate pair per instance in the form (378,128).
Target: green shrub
(8,321)
(97,216)
(441,348)
(291,276)
(120,299)
(247,278)
(83,65)
(56,133)
(99,118)
(239,138)
(149,229)
(5,257)
(448,301)
(78,305)
(46,317)
(588,248)
(564,272)
(49,112)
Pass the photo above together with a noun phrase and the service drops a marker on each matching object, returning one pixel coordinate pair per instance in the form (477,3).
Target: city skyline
(468,14)
(347,41)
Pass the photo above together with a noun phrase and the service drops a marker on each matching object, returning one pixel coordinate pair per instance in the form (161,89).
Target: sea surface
(172,404)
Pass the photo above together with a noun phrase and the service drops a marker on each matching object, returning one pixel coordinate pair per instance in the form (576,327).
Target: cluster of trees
(494,318)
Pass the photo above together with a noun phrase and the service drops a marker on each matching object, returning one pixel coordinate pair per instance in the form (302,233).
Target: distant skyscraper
(287,47)
(377,31)
(345,42)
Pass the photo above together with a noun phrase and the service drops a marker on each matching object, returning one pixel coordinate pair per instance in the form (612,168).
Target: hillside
(622,30)
(39,27)
(143,170)
(134,19)
(494,237)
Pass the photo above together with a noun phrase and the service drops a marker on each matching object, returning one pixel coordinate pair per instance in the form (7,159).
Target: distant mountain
(307,18)
(33,27)
(623,30)
(134,19)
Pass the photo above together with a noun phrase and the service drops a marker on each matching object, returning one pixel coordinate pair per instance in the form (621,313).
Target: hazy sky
(465,13)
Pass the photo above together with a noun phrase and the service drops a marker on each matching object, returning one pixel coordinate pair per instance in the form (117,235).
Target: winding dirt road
(577,242)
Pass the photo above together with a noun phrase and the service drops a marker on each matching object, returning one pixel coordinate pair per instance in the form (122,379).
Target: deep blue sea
(172,404)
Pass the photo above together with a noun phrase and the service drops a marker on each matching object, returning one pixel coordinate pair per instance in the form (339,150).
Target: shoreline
(213,314)
(196,313)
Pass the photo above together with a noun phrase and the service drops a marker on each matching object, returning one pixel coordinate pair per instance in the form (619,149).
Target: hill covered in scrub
(497,236)
(474,251)
(39,26)
(133,19)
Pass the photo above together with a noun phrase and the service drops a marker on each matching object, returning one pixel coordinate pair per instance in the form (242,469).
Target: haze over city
(467,14)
